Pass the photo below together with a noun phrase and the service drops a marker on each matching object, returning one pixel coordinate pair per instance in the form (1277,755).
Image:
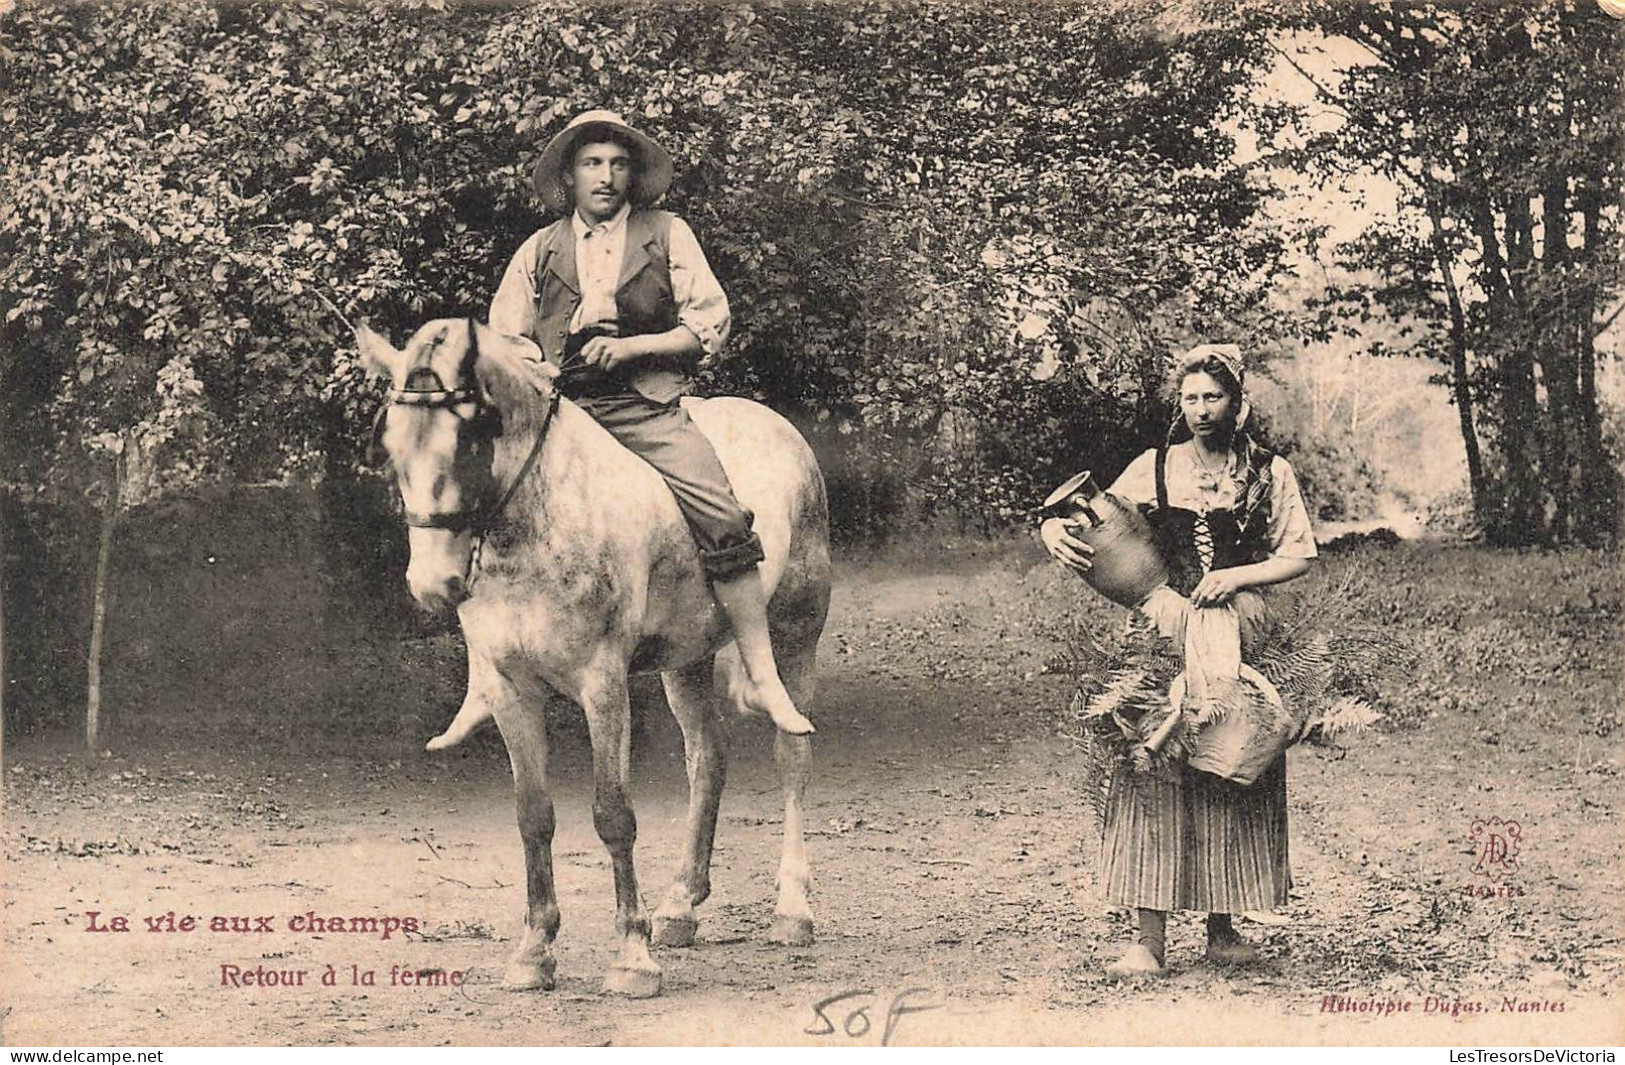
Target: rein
(478,518)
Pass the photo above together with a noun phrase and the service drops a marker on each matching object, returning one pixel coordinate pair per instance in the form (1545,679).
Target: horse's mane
(509,386)
(519,384)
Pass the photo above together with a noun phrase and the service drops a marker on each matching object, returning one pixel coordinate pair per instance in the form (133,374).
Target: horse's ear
(511,370)
(378,356)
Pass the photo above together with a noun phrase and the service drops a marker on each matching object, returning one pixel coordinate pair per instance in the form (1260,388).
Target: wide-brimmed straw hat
(653,164)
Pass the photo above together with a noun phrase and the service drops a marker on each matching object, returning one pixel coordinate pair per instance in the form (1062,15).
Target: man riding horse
(621,301)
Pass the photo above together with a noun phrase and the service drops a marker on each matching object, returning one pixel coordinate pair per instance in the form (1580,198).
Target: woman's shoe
(1232,951)
(1136,961)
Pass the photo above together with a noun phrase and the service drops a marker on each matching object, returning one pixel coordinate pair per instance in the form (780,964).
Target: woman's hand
(1067,549)
(1221,585)
(1217,587)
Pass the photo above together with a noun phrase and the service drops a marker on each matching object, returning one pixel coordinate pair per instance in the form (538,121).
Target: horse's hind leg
(609,722)
(692,695)
(792,916)
(524,732)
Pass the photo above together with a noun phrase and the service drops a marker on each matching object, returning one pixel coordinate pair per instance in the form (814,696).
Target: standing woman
(1229,519)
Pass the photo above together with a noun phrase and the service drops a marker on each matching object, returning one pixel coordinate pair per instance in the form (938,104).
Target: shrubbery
(914,223)
(1336,481)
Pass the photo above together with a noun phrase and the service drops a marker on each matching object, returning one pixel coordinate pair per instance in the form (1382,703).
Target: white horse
(571,567)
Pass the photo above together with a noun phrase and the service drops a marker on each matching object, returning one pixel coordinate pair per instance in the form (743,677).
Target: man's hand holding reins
(609,353)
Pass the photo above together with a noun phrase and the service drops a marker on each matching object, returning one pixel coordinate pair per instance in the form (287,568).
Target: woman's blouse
(1192,486)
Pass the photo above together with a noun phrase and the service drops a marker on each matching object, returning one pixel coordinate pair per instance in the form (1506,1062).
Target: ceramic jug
(1127,565)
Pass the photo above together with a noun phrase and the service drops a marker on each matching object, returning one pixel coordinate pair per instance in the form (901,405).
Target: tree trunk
(1527,371)
(98,616)
(1519,438)
(1554,320)
(1599,480)
(1483,510)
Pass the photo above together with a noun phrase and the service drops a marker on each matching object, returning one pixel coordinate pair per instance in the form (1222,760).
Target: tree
(916,222)
(1501,126)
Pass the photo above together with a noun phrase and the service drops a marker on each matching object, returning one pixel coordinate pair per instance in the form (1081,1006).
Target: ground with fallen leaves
(952,854)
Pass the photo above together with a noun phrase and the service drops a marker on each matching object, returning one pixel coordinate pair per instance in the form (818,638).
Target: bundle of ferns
(1326,663)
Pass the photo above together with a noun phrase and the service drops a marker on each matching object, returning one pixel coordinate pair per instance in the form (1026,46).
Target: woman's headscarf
(1252,459)
(1196,361)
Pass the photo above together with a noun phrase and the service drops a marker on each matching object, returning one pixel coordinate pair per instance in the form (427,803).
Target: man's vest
(643,301)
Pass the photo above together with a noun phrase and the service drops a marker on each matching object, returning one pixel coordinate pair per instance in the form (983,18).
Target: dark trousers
(666,438)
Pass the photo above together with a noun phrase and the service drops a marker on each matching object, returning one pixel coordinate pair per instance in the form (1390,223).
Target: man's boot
(743,600)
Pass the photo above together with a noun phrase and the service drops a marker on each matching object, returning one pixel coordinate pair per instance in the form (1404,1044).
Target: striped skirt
(1195,841)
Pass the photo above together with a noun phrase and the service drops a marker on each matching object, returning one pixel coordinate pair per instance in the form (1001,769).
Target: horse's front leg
(692,695)
(524,731)
(604,699)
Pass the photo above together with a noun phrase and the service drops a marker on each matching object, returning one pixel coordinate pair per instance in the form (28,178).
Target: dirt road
(952,862)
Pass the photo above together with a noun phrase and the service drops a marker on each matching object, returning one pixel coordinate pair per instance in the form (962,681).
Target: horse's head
(451,391)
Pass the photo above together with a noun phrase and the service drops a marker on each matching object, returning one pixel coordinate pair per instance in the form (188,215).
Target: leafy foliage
(1328,665)
(956,237)
(1500,128)
(939,246)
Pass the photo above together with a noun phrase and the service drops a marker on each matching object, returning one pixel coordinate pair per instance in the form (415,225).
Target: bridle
(478,516)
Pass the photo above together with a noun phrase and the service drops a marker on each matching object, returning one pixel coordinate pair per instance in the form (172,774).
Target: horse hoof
(632,983)
(791,932)
(529,976)
(676,931)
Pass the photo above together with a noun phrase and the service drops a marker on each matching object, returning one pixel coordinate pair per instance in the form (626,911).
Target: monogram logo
(1496,845)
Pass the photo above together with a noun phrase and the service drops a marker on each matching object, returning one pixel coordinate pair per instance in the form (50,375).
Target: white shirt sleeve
(1290,533)
(513,308)
(702,306)
(1138,483)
